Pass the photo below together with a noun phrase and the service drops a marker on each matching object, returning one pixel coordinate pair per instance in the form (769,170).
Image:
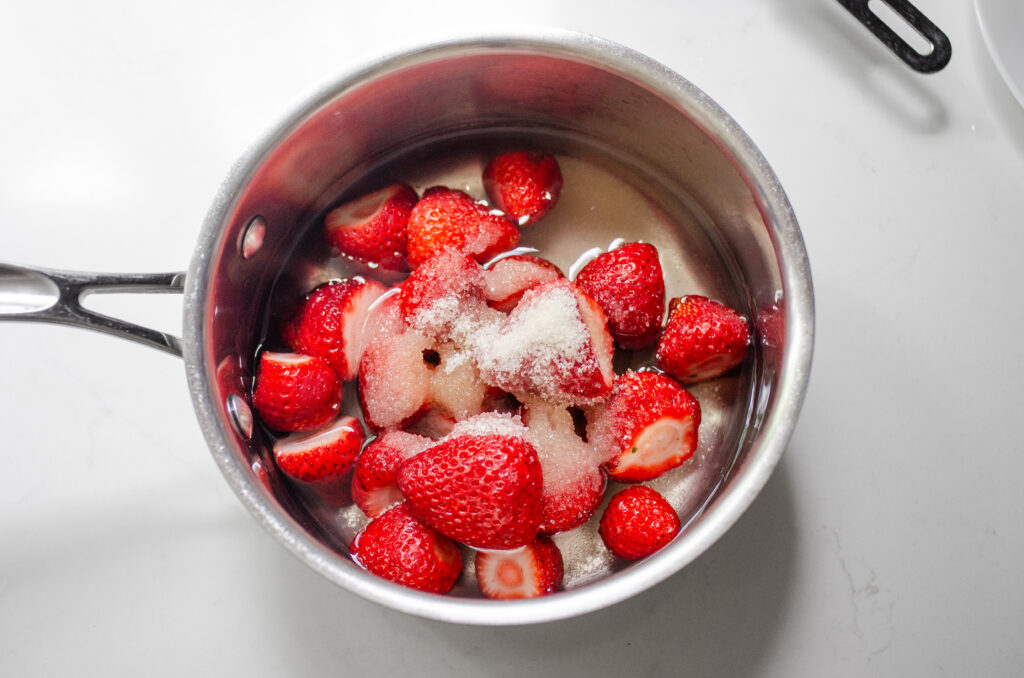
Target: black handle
(934,61)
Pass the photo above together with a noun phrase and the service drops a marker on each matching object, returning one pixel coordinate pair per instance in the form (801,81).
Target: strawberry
(637,522)
(507,279)
(329,323)
(401,548)
(295,392)
(529,572)
(446,217)
(702,340)
(572,503)
(373,229)
(394,379)
(524,184)
(375,480)
(442,292)
(628,285)
(322,459)
(554,345)
(648,427)
(482,490)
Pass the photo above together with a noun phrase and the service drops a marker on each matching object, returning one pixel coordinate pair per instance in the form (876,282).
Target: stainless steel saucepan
(585,92)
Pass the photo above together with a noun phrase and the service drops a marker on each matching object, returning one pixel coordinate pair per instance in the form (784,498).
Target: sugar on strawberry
(629,286)
(648,426)
(375,477)
(535,570)
(402,548)
(524,184)
(330,323)
(295,392)
(446,217)
(703,339)
(638,522)
(373,228)
(321,460)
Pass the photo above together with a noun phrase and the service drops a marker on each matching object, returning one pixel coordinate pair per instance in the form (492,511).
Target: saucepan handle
(52,296)
(933,61)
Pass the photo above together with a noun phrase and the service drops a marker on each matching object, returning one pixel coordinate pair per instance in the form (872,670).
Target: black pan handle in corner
(934,61)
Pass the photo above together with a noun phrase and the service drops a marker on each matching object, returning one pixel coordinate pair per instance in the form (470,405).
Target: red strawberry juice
(605,199)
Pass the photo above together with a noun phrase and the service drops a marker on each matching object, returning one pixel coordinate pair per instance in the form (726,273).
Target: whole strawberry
(445,217)
(401,548)
(532,571)
(648,427)
(702,340)
(321,459)
(481,490)
(330,320)
(628,285)
(295,392)
(373,229)
(523,184)
(637,522)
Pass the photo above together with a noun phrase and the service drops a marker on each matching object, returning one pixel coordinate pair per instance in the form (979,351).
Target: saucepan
(609,111)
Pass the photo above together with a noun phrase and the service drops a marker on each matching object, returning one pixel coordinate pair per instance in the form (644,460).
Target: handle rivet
(250,240)
(241,415)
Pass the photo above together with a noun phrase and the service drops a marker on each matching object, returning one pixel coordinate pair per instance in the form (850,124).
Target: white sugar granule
(490,423)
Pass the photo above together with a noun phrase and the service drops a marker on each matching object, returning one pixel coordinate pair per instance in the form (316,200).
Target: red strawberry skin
(629,286)
(574,504)
(523,184)
(373,229)
(640,402)
(484,491)
(401,548)
(329,460)
(295,392)
(375,480)
(450,273)
(536,570)
(638,522)
(446,217)
(319,325)
(702,340)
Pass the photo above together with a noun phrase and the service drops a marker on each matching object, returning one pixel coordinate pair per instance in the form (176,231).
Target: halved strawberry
(330,322)
(394,379)
(321,459)
(482,490)
(455,386)
(507,279)
(295,392)
(374,228)
(401,548)
(637,522)
(446,217)
(524,184)
(648,427)
(374,482)
(702,340)
(628,285)
(443,294)
(554,345)
(532,571)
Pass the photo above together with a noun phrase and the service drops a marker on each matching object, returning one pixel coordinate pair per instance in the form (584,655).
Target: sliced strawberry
(508,278)
(648,427)
(373,229)
(321,459)
(573,481)
(374,482)
(628,285)
(532,571)
(295,392)
(455,386)
(394,379)
(401,548)
(702,340)
(443,294)
(330,323)
(524,184)
(445,217)
(553,345)
(482,490)
(637,522)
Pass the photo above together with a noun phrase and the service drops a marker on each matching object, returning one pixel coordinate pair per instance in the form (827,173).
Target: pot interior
(645,156)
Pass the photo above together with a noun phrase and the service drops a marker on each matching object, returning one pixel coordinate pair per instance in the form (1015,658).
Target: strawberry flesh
(535,570)
(506,279)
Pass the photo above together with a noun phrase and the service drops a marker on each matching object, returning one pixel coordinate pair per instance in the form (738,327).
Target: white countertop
(890,539)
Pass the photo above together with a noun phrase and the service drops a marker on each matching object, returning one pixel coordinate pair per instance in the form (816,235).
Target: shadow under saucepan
(908,97)
(719,616)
